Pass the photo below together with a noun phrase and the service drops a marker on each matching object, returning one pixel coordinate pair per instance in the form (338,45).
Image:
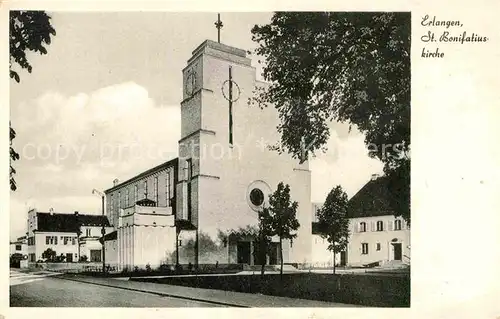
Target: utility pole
(103,229)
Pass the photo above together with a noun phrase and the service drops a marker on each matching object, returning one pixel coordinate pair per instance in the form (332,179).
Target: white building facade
(69,235)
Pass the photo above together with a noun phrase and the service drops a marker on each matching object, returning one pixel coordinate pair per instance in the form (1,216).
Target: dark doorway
(95,255)
(273,254)
(257,254)
(243,252)
(343,258)
(69,258)
(398,253)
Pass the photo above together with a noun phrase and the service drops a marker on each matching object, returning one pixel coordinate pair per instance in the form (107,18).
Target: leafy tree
(29,31)
(345,66)
(333,223)
(49,254)
(283,220)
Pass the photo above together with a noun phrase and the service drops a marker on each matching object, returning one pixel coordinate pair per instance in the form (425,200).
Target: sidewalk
(228,298)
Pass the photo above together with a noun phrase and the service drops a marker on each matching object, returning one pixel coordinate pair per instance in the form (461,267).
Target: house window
(146,189)
(155,190)
(55,240)
(362,227)
(167,189)
(364,248)
(397,224)
(88,232)
(18,247)
(65,240)
(180,243)
(47,240)
(73,241)
(380,225)
(378,246)
(112,204)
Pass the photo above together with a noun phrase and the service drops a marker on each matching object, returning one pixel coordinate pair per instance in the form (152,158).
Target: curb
(158,293)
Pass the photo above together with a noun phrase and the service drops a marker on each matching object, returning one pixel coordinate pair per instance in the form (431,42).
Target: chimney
(51,211)
(76,213)
(116,181)
(375,176)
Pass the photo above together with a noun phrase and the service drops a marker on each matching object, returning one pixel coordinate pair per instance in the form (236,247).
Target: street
(50,289)
(55,292)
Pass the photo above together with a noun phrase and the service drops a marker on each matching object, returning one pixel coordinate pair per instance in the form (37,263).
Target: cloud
(72,144)
(346,163)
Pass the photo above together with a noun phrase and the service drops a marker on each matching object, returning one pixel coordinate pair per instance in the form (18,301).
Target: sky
(106,80)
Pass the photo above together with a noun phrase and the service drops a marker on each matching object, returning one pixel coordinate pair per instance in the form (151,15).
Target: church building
(202,207)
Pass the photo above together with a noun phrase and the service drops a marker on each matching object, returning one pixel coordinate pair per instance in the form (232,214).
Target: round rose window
(256,197)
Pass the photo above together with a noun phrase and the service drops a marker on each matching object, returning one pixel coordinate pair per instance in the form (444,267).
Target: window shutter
(391,225)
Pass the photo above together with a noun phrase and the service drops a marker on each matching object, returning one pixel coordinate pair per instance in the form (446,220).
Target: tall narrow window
(47,240)
(167,189)
(155,189)
(397,224)
(127,198)
(146,189)
(362,227)
(112,204)
(378,246)
(364,248)
(189,176)
(136,193)
(119,205)
(380,225)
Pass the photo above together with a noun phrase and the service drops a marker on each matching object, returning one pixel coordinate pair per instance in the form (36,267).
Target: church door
(343,258)
(243,252)
(273,254)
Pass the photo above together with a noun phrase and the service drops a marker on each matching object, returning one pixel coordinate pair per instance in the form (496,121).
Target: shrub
(148,268)
(84,258)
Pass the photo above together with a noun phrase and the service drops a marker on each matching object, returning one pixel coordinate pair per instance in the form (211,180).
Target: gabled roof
(52,222)
(373,199)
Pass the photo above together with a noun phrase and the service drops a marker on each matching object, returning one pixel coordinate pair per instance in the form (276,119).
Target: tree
(282,212)
(333,223)
(49,255)
(29,31)
(348,67)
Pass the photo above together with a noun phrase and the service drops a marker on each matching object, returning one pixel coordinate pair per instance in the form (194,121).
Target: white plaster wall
(60,248)
(225,172)
(372,237)
(111,248)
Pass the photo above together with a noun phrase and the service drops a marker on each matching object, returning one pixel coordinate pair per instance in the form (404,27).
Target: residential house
(69,235)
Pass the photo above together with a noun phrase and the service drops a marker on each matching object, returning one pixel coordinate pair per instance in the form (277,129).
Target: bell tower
(226,170)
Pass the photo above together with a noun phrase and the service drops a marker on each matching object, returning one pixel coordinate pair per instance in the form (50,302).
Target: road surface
(50,291)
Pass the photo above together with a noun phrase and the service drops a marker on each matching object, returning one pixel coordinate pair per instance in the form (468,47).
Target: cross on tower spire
(218,25)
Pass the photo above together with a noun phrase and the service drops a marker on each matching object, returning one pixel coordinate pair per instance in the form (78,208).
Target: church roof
(373,199)
(52,222)
(172,162)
